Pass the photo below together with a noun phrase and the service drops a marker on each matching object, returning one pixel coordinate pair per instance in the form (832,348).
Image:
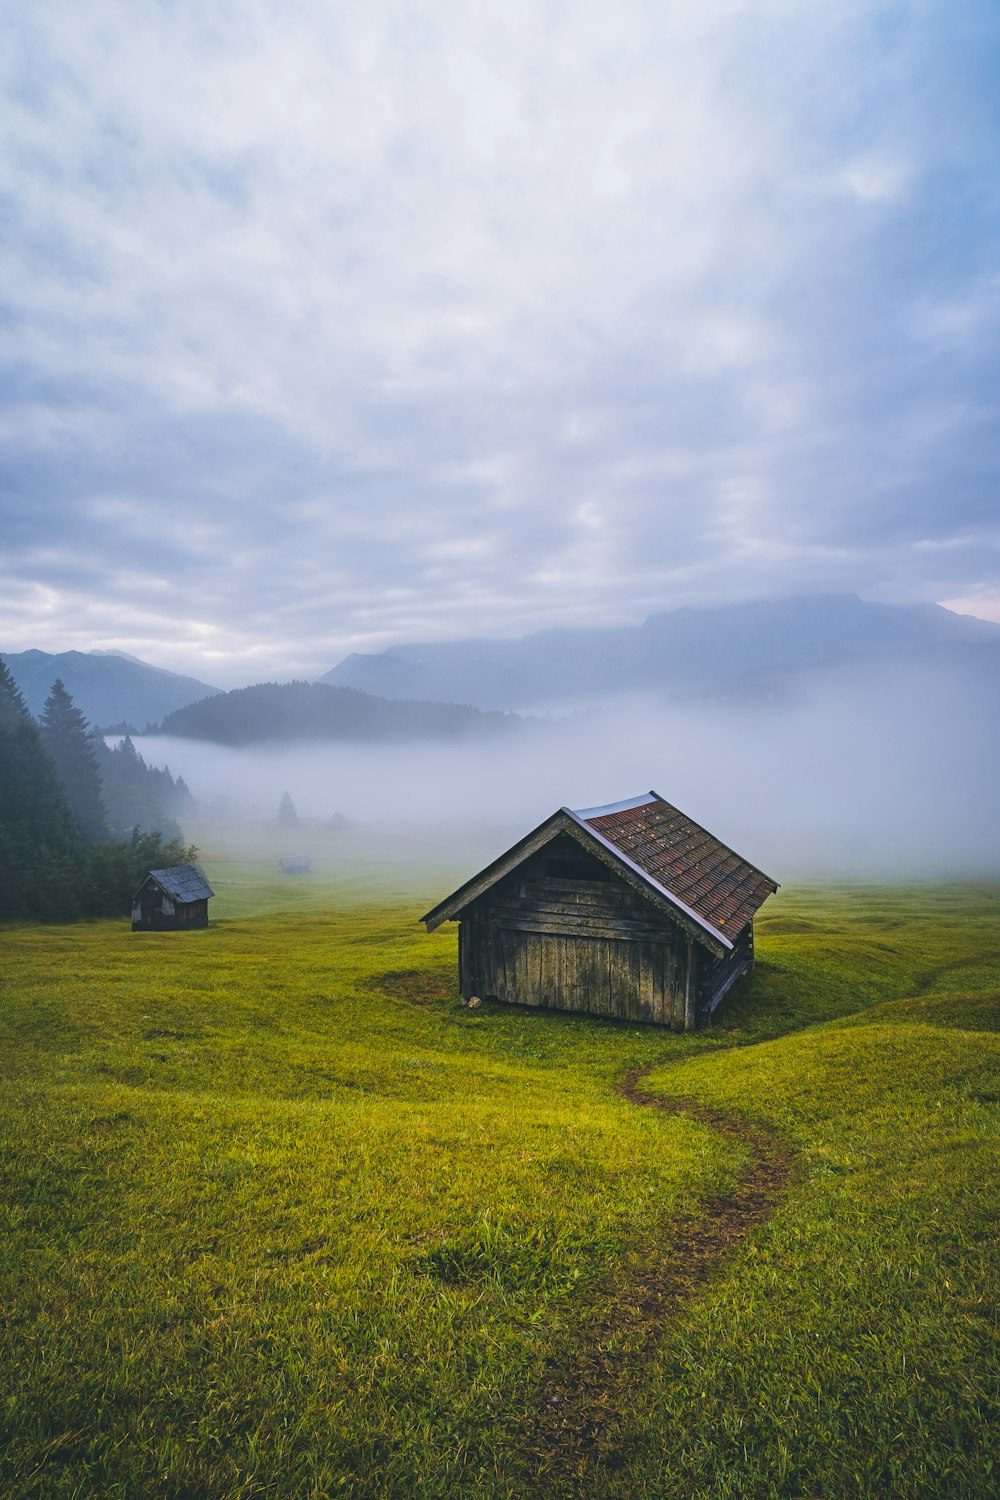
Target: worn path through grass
(579,1437)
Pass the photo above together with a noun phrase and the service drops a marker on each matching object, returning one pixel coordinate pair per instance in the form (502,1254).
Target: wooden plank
(570,923)
(642,973)
(670,986)
(676,991)
(623,993)
(645,1001)
(516,922)
(647,921)
(545,963)
(505,963)
(659,992)
(619,968)
(496,981)
(605,971)
(464,988)
(609,896)
(527,990)
(568,975)
(596,978)
(650,960)
(559,980)
(512,965)
(635,965)
(689,987)
(548,965)
(575,893)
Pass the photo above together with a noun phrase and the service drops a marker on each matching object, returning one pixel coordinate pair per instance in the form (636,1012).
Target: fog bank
(878,774)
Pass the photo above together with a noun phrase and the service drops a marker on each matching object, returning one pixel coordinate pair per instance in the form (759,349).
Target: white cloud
(876,178)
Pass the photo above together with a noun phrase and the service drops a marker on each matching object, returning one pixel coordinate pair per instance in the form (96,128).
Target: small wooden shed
(630,910)
(294,864)
(171,900)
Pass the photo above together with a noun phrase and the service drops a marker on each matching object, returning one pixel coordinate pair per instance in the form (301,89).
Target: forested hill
(315,711)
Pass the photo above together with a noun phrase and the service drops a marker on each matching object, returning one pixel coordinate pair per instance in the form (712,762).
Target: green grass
(281,1218)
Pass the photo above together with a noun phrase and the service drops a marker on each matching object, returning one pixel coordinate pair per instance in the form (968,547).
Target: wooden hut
(294,864)
(171,900)
(630,910)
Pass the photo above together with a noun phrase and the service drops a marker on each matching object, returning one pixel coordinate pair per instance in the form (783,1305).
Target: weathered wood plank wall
(580,942)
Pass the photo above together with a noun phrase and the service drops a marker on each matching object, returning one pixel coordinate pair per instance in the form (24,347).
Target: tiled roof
(183,882)
(689,862)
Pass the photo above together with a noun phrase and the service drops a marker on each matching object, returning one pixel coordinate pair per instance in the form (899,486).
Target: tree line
(80,824)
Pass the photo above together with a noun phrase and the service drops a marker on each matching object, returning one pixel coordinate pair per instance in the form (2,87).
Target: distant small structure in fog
(294,864)
(171,900)
(630,910)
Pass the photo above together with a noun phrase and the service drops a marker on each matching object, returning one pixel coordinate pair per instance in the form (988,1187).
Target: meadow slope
(281,1218)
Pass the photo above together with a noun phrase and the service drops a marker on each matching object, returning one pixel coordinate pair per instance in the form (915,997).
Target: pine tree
(183,801)
(12,705)
(66,738)
(40,848)
(287,816)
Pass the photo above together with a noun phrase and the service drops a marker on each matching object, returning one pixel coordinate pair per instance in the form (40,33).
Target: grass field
(280,1218)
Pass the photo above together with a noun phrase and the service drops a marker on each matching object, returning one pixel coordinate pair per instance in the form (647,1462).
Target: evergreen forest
(80,824)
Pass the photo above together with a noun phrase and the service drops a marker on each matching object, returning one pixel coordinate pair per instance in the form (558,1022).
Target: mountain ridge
(107,687)
(678,652)
(689,652)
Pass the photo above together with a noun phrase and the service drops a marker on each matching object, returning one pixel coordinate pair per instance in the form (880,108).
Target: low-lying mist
(883,773)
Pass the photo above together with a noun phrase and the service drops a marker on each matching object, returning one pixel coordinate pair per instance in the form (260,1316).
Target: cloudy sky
(332,325)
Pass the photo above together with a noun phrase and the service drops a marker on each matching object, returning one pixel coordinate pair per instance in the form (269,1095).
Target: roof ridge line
(605,808)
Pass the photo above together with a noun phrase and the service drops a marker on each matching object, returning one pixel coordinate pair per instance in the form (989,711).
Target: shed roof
(680,866)
(182,882)
(696,867)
